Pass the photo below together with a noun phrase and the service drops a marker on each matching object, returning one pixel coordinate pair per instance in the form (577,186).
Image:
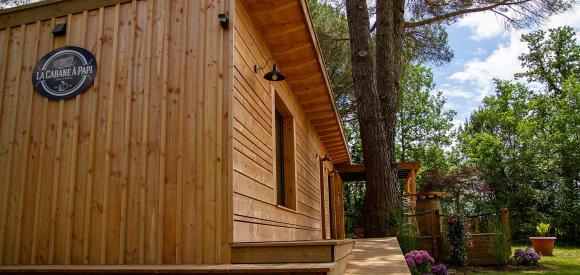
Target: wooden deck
(377,256)
(369,256)
(239,269)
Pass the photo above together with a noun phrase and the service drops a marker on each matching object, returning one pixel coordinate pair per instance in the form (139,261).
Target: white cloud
(472,79)
(502,63)
(457,123)
(486,25)
(483,25)
(459,93)
(478,52)
(569,18)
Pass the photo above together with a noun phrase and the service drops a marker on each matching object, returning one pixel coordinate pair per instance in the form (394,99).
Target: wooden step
(320,251)
(298,269)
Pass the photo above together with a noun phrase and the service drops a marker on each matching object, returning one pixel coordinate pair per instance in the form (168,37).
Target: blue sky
(485,50)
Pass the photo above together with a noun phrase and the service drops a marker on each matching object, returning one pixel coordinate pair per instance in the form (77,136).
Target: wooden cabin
(180,151)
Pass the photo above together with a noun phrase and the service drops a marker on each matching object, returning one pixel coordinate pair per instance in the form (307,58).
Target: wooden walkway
(377,256)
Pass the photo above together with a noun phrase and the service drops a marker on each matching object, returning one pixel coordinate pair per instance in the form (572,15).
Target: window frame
(284,151)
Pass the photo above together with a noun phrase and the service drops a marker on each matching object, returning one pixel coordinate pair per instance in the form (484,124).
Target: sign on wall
(64,73)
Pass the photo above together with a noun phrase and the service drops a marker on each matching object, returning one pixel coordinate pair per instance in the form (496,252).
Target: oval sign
(64,73)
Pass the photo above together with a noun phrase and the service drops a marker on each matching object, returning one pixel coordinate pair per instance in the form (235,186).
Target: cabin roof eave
(295,48)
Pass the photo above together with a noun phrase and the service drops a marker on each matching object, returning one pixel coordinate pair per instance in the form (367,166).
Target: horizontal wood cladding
(256,215)
(135,170)
(287,30)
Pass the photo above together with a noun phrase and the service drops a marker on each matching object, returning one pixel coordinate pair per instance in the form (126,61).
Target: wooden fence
(489,234)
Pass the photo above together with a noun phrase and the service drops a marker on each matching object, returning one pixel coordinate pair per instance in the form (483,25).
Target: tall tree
(423,124)
(376,87)
(526,141)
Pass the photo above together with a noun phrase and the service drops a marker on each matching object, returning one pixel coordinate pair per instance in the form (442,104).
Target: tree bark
(381,205)
(390,31)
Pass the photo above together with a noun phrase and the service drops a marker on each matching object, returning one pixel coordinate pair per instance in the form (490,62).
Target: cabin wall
(134,170)
(256,214)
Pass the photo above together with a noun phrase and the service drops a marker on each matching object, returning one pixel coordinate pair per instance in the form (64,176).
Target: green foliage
(526,141)
(407,236)
(552,59)
(543,229)
(423,125)
(457,239)
(354,193)
(499,241)
(467,191)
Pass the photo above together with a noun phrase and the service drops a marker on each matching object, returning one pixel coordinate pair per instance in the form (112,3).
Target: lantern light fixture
(59,29)
(224,20)
(274,74)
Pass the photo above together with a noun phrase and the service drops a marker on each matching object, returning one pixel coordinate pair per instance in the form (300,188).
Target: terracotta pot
(543,245)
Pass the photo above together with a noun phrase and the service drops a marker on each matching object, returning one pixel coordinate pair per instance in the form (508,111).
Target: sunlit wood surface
(377,256)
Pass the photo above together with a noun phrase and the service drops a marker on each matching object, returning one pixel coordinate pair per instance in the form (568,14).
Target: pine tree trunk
(390,31)
(381,206)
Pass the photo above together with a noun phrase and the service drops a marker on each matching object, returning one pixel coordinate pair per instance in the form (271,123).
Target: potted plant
(543,244)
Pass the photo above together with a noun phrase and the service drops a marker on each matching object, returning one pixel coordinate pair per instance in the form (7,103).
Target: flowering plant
(419,261)
(458,238)
(526,257)
(439,269)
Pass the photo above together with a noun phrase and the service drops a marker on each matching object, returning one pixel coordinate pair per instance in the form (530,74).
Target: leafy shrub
(526,257)
(499,242)
(406,236)
(543,229)
(419,261)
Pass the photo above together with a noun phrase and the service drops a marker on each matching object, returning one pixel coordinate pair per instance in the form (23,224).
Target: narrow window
(281,185)
(285,166)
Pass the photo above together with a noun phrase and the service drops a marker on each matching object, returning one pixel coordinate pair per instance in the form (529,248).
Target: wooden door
(322,203)
(337,207)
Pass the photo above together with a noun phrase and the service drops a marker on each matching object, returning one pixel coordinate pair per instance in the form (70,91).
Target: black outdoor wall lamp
(224,20)
(326,158)
(59,29)
(273,75)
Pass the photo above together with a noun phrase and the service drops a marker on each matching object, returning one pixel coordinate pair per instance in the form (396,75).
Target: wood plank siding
(135,170)
(170,156)
(257,217)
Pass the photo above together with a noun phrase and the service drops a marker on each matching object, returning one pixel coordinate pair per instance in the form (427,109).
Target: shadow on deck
(377,256)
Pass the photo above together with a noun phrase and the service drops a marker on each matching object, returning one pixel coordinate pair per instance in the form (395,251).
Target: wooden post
(505,225)
(413,183)
(435,232)
(476,224)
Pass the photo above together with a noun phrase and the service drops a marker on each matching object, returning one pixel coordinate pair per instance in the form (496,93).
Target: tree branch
(461,12)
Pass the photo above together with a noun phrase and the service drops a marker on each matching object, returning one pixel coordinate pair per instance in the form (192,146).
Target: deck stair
(322,251)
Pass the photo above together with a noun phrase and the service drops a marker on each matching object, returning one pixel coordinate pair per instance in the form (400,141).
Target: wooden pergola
(405,171)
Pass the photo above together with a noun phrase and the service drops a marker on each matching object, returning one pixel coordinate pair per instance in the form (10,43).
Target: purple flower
(410,261)
(439,269)
(419,261)
(526,257)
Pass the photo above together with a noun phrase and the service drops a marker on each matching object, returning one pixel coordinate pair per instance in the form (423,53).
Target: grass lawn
(566,260)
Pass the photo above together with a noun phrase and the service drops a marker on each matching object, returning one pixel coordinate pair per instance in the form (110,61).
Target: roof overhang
(287,28)
(356,172)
